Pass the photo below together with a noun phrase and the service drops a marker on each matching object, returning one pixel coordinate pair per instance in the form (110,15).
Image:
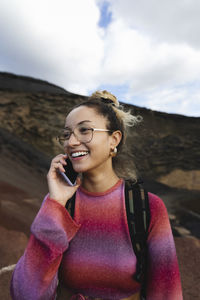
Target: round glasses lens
(64,136)
(83,133)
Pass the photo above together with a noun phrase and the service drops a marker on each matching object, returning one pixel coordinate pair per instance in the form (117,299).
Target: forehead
(84,113)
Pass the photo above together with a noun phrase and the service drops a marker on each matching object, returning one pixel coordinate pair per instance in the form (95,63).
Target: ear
(115,138)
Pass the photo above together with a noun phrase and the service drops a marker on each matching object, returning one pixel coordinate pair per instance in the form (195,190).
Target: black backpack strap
(70,205)
(138,215)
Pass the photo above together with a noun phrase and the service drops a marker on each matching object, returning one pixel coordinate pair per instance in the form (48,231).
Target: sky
(145,52)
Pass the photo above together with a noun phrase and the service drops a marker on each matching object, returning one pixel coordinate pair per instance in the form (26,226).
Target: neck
(99,182)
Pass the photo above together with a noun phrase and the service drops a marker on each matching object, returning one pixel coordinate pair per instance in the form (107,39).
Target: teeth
(76,154)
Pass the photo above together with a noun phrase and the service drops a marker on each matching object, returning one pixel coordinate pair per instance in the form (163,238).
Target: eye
(84,130)
(66,135)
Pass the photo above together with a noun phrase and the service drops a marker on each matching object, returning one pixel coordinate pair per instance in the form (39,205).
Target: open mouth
(79,154)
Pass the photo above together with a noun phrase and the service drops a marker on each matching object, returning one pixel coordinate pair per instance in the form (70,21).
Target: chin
(80,169)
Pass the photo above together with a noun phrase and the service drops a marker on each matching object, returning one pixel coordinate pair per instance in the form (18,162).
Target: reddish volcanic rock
(5,285)
(188,249)
(12,247)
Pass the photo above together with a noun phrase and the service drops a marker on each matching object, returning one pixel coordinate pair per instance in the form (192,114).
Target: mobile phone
(70,175)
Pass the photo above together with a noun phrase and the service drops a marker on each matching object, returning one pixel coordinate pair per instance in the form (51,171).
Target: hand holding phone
(70,175)
(58,190)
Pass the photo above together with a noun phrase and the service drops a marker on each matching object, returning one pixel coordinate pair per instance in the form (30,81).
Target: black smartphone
(69,175)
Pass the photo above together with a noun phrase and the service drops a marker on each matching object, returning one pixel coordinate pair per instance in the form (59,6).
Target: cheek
(100,147)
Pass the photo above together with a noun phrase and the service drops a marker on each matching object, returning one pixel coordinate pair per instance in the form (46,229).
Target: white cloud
(179,99)
(60,39)
(130,56)
(156,67)
(149,52)
(173,21)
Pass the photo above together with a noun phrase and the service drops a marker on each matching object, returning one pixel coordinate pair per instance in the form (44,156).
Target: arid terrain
(165,149)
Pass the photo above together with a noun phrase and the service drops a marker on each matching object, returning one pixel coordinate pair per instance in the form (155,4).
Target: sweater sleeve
(35,275)
(163,278)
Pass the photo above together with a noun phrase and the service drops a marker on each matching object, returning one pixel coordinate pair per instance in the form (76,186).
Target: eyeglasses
(83,134)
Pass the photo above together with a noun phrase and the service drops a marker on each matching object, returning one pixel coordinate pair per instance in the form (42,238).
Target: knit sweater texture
(92,253)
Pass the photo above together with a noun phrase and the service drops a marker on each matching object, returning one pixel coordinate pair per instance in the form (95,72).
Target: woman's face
(94,155)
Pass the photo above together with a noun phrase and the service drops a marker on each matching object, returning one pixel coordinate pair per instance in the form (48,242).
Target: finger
(63,161)
(59,157)
(79,179)
(78,182)
(58,166)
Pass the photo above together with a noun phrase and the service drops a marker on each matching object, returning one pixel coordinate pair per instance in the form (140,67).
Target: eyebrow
(79,123)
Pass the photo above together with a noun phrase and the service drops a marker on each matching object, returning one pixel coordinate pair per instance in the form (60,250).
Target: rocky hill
(166,151)
(166,147)
(12,82)
(34,111)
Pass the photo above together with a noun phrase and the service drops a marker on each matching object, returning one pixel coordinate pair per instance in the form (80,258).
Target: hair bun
(106,97)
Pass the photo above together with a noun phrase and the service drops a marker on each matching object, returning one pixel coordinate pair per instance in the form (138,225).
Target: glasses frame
(62,140)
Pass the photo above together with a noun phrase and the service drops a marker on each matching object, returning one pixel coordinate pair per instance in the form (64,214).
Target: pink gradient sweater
(93,251)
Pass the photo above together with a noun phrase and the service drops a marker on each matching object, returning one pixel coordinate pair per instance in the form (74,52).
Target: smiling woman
(91,253)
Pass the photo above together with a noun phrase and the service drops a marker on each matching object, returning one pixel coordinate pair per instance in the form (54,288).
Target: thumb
(78,183)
